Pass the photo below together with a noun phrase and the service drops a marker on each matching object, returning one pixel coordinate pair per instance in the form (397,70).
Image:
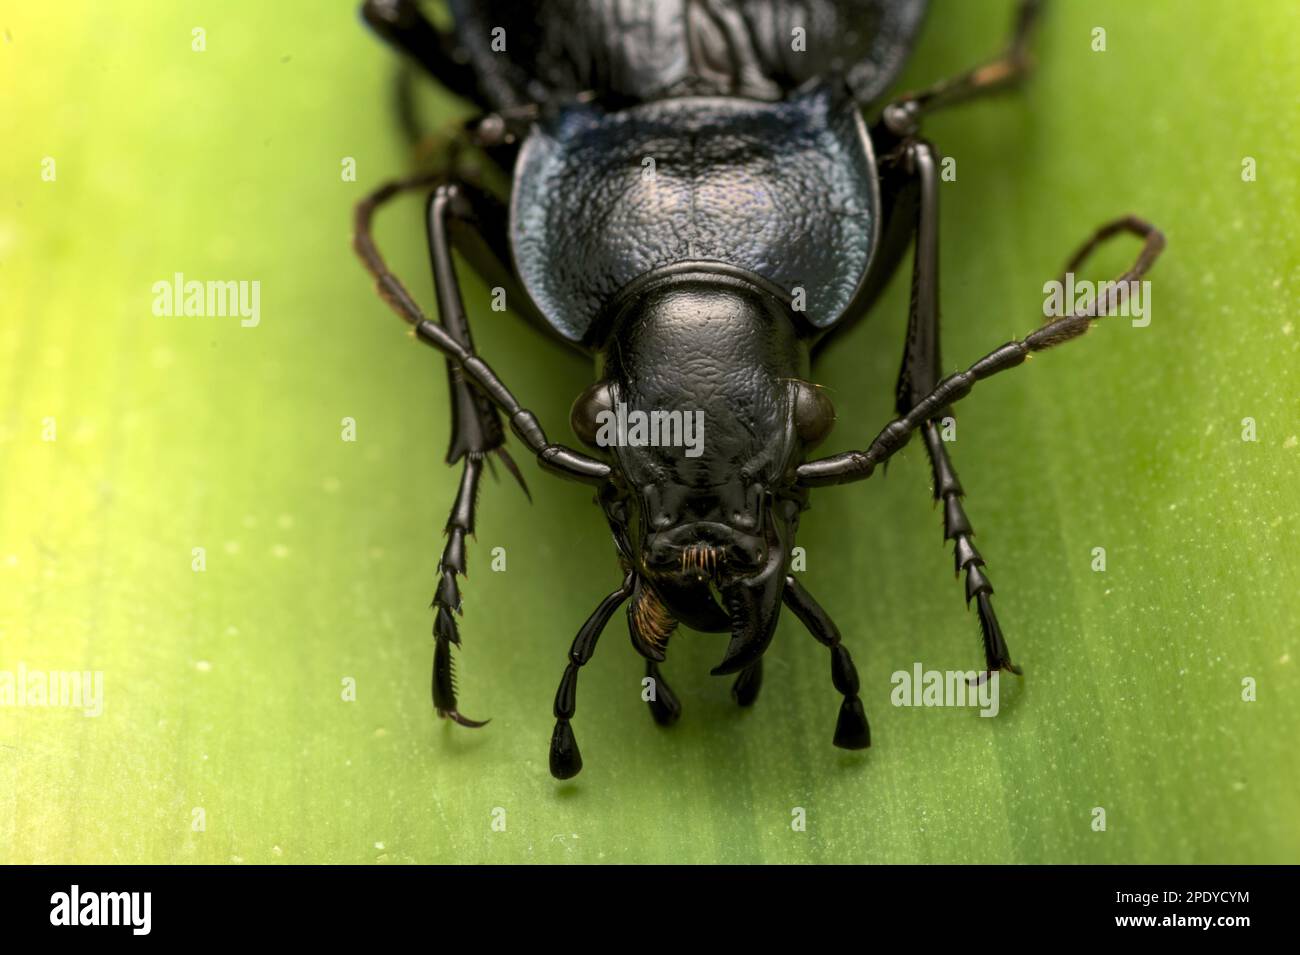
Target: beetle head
(704,410)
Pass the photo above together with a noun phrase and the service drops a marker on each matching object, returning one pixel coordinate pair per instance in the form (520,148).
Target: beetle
(698,201)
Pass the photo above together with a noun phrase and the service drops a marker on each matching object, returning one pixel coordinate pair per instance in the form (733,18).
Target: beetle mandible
(697,200)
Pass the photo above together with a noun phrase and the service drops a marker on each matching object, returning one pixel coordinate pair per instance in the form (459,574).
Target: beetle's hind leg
(851,729)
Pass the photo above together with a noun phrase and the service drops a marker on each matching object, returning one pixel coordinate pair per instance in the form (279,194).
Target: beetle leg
(918,376)
(566,760)
(929,401)
(446,600)
(401,24)
(476,432)
(851,729)
(476,395)
(476,427)
(556,458)
(903,116)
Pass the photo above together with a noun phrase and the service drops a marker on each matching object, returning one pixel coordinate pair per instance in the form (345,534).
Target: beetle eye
(582,417)
(814,415)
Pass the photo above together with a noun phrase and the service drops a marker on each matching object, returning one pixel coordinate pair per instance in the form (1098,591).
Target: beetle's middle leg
(923,399)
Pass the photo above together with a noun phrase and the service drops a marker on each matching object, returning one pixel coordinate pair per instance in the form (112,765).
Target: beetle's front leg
(920,373)
(476,432)
(930,401)
(477,394)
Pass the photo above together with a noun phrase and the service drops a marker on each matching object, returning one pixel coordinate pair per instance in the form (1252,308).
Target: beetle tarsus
(996,653)
(444,676)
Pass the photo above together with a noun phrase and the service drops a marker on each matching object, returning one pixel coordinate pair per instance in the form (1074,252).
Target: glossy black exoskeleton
(697,201)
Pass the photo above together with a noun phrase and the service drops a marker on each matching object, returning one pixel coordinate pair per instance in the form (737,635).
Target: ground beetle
(697,201)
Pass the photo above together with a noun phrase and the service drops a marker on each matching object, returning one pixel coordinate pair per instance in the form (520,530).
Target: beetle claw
(456,717)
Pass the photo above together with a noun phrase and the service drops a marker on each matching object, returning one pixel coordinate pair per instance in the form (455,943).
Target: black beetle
(697,201)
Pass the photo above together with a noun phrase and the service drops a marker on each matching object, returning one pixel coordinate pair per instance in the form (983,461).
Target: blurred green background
(223,687)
